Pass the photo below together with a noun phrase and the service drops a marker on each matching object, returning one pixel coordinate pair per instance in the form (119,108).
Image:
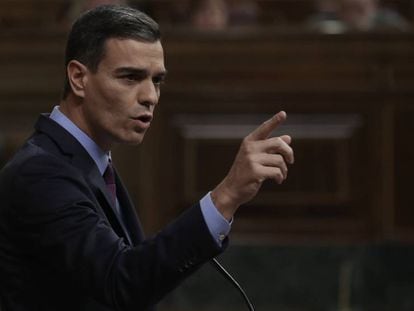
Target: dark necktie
(109,178)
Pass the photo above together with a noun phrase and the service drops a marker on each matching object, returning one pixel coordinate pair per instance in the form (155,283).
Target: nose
(149,94)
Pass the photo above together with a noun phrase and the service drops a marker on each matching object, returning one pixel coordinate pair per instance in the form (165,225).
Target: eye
(130,78)
(158,80)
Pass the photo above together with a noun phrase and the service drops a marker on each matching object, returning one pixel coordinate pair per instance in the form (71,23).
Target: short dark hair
(86,40)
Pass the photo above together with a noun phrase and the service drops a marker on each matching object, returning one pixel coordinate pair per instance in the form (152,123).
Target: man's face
(121,95)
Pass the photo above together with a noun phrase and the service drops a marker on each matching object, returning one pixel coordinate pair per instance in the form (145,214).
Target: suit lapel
(80,158)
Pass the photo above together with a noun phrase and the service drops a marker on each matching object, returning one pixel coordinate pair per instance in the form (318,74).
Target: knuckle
(254,168)
(246,139)
(279,159)
(257,174)
(279,175)
(248,147)
(250,158)
(280,162)
(280,141)
(245,142)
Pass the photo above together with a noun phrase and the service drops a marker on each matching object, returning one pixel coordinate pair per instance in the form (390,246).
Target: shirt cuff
(218,226)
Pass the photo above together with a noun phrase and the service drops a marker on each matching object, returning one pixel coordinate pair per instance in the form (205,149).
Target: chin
(131,140)
(135,143)
(137,140)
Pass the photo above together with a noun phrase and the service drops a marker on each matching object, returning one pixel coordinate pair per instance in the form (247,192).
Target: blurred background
(338,235)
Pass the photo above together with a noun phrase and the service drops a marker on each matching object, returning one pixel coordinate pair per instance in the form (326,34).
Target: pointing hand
(259,158)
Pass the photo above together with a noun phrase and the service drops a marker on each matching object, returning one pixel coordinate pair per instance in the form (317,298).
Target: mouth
(145,118)
(143,121)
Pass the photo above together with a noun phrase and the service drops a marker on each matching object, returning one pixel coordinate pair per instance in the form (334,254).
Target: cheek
(118,114)
(112,103)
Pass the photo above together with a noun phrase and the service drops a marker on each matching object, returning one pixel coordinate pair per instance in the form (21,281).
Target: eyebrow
(138,72)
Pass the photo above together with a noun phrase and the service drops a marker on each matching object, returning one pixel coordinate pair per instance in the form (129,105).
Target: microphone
(214,262)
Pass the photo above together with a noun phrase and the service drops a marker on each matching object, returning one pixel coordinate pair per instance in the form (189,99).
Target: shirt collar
(100,157)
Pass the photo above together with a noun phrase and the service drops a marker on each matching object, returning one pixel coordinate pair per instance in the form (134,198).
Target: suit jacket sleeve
(62,224)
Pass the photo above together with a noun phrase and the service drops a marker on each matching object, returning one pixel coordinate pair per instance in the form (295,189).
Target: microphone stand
(214,262)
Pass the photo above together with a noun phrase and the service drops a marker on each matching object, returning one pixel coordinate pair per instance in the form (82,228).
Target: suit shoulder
(33,163)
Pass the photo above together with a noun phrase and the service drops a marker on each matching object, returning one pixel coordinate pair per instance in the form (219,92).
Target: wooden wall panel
(323,187)
(339,93)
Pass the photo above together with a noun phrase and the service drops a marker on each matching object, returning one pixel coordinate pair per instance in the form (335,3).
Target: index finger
(264,130)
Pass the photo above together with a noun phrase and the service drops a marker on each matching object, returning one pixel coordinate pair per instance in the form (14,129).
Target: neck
(71,107)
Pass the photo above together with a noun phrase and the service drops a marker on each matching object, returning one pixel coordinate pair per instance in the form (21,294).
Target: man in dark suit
(69,236)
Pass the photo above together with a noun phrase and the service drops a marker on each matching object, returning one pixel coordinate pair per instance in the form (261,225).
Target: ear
(77,77)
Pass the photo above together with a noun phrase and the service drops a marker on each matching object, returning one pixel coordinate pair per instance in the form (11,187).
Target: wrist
(224,201)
